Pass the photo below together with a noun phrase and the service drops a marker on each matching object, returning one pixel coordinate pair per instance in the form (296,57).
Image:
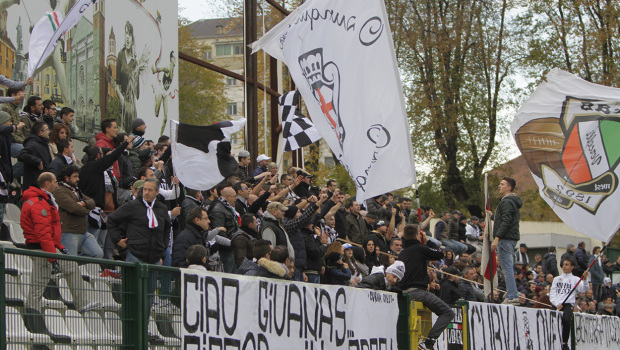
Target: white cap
(397,269)
(262,157)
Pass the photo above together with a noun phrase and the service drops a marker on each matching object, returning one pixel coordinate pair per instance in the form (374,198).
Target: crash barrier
(120,305)
(90,304)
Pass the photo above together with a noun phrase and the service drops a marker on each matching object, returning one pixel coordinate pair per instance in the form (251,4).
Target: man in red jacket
(40,222)
(105,138)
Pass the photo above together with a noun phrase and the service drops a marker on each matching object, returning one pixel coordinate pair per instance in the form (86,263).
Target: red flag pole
(588,269)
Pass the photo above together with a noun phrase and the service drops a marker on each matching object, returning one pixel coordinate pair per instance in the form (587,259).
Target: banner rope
(443,272)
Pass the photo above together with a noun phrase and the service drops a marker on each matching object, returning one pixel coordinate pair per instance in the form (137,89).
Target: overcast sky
(200,9)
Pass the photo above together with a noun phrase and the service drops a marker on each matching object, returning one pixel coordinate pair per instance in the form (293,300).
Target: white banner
(600,332)
(452,337)
(238,312)
(341,56)
(568,133)
(507,327)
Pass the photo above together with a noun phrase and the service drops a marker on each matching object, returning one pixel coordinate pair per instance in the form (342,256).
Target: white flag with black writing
(341,56)
(297,130)
(201,154)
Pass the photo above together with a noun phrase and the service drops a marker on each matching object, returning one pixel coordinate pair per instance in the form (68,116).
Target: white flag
(42,33)
(569,133)
(341,56)
(201,154)
(48,30)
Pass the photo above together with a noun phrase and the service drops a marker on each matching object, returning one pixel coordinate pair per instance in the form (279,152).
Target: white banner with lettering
(238,312)
(341,56)
(505,327)
(595,331)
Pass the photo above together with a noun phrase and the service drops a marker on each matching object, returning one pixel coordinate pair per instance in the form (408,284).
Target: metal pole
(275,118)
(251,92)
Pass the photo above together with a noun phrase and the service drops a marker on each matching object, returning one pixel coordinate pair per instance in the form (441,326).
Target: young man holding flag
(562,296)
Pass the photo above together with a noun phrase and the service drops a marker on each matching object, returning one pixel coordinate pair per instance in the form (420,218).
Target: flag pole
(487,207)
(417,201)
(588,269)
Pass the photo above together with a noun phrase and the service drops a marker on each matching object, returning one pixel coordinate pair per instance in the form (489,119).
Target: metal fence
(84,303)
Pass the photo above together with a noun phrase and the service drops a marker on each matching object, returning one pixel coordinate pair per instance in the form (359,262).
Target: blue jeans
(2,211)
(455,246)
(85,244)
(313,278)
(506,250)
(435,241)
(154,277)
(297,275)
(18,167)
(227,257)
(105,243)
(168,258)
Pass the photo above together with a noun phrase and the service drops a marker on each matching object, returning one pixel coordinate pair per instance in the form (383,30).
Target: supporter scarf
(51,201)
(232,210)
(150,214)
(76,191)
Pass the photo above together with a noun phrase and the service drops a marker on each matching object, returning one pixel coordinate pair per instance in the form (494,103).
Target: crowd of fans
(122,201)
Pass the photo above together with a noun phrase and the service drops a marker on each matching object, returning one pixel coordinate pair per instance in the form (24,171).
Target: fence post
(134,291)
(403,332)
(2,301)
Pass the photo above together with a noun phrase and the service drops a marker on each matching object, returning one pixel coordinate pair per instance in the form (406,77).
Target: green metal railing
(138,303)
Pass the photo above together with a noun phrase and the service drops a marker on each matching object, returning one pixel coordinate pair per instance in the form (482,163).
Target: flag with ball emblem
(569,134)
(297,130)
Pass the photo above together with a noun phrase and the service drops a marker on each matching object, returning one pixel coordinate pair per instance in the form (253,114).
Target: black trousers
(567,318)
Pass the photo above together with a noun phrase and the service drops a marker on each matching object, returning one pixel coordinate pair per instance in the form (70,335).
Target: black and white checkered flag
(297,130)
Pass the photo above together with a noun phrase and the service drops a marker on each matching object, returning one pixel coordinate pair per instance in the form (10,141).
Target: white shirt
(474,232)
(564,284)
(68,159)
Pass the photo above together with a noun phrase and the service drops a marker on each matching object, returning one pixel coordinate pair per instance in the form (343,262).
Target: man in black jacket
(36,154)
(550,263)
(193,199)
(415,256)
(582,259)
(315,242)
(92,183)
(506,234)
(223,214)
(195,232)
(64,157)
(142,226)
(242,241)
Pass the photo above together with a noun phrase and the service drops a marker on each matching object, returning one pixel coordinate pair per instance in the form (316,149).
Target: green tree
(201,91)
(579,36)
(456,57)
